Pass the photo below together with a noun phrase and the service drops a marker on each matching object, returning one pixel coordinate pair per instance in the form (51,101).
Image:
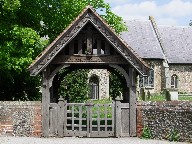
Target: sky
(165,12)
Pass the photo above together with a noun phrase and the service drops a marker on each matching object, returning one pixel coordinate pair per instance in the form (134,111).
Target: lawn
(161,97)
(185,98)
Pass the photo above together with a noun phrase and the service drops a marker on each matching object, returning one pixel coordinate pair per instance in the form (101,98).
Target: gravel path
(72,140)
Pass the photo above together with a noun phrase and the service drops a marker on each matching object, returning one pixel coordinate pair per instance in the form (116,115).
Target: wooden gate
(82,119)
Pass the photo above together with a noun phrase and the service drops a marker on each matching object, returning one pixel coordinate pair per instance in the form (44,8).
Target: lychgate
(88,43)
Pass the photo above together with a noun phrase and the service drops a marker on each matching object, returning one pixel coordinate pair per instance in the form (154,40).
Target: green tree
(22,26)
(74,87)
(19,45)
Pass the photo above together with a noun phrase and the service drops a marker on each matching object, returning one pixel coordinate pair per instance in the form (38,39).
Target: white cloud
(170,13)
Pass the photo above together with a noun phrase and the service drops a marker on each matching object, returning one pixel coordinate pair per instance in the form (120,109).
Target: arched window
(94,87)
(174,81)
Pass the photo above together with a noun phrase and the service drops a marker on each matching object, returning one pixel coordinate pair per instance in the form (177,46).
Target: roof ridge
(154,25)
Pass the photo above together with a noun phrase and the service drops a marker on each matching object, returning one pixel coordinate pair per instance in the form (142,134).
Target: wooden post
(117,117)
(65,117)
(98,46)
(89,40)
(80,44)
(107,47)
(61,117)
(71,48)
(45,103)
(132,98)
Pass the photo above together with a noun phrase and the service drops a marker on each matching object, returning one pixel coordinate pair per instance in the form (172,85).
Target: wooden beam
(83,59)
(45,102)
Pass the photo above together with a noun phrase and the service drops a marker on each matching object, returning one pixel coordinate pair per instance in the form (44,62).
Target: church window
(147,81)
(174,81)
(94,87)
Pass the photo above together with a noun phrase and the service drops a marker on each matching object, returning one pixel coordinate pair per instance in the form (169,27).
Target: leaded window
(174,81)
(147,81)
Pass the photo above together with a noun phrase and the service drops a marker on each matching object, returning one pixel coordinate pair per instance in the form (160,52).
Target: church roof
(142,38)
(171,42)
(177,43)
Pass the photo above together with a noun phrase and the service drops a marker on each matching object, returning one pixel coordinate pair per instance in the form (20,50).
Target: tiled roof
(142,38)
(177,43)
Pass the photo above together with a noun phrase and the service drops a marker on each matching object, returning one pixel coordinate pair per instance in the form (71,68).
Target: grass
(185,98)
(154,97)
(161,97)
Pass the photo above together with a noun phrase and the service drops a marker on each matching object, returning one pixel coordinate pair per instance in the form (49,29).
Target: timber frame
(88,42)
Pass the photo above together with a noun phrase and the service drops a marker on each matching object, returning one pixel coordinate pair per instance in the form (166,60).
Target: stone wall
(184,73)
(103,76)
(164,119)
(20,118)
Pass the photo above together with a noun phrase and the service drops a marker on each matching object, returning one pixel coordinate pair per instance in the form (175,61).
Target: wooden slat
(55,120)
(98,118)
(73,117)
(51,126)
(106,117)
(80,118)
(88,120)
(124,105)
(65,118)
(76,133)
(125,122)
(53,105)
(91,120)
(113,116)
(70,118)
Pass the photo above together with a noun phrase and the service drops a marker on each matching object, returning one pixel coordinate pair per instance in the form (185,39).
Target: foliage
(74,87)
(146,133)
(174,136)
(115,84)
(22,26)
(18,47)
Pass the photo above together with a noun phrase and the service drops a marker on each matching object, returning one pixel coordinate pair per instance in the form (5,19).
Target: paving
(75,140)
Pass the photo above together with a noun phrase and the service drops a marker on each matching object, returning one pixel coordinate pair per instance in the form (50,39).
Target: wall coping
(20,103)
